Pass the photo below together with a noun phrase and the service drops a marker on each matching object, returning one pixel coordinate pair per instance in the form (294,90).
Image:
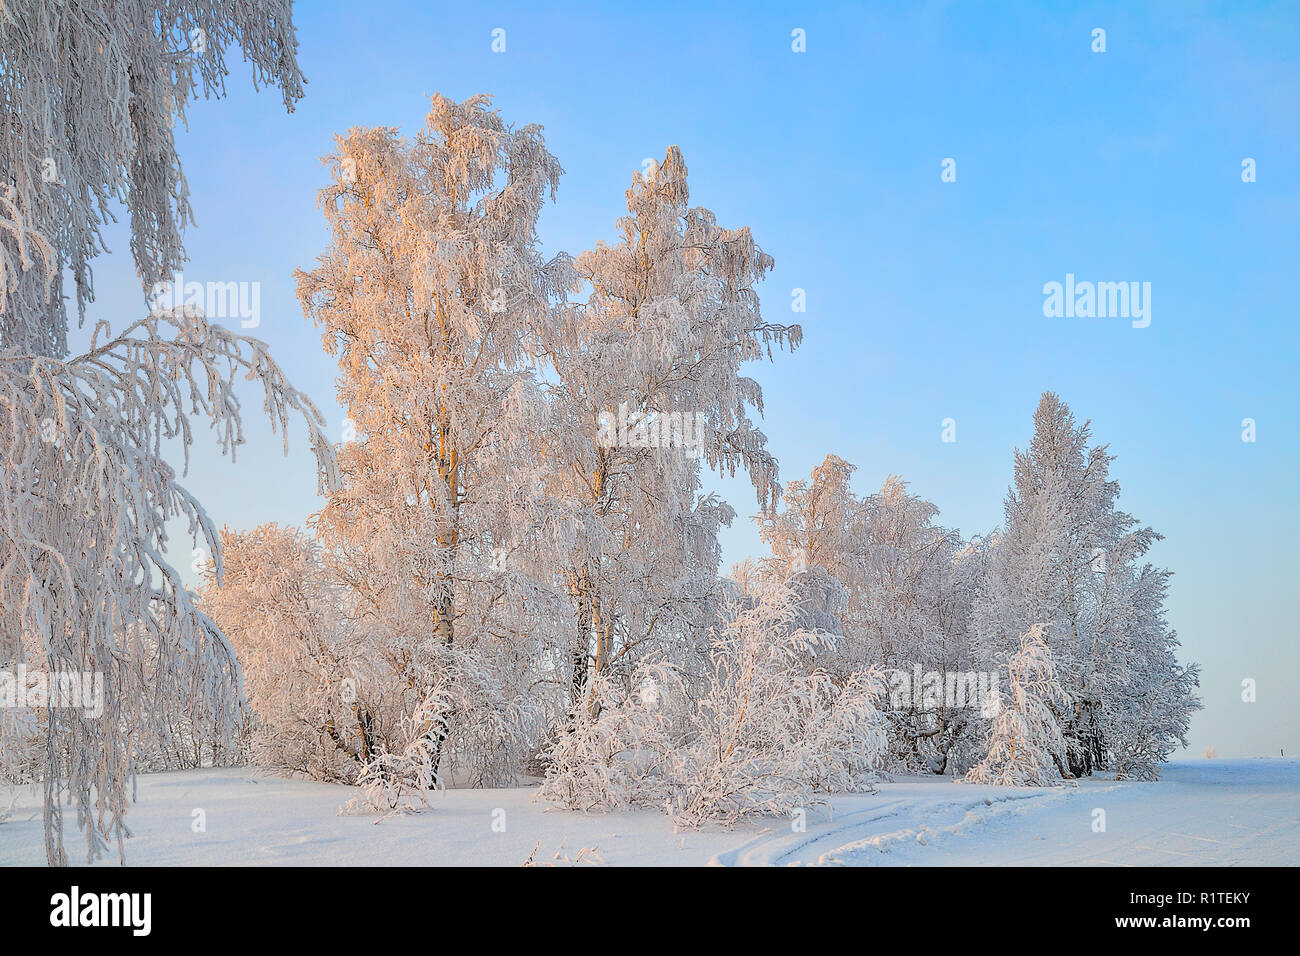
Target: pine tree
(1068,559)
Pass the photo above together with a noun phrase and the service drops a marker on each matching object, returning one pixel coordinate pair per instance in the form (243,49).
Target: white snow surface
(1202,812)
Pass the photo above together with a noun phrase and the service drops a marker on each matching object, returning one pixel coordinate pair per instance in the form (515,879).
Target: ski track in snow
(878,829)
(1203,812)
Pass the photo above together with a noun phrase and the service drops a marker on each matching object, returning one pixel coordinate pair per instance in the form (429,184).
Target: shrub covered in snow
(772,732)
(1024,740)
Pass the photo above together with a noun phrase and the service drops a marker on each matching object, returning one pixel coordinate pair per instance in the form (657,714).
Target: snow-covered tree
(401,780)
(310,707)
(92,93)
(1024,743)
(908,588)
(333,697)
(1148,719)
(614,755)
(84,500)
(894,562)
(22,752)
(909,610)
(1069,560)
(431,294)
(816,521)
(671,316)
(774,729)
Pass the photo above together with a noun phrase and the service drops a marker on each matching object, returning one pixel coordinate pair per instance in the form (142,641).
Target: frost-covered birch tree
(670,318)
(895,563)
(815,521)
(85,583)
(431,295)
(284,617)
(908,587)
(92,95)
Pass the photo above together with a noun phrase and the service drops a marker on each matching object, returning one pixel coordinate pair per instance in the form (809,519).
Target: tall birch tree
(672,315)
(430,295)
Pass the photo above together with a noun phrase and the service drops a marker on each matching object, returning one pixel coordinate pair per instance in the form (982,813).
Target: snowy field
(1203,812)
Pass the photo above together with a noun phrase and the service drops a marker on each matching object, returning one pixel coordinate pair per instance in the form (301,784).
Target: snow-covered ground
(1219,812)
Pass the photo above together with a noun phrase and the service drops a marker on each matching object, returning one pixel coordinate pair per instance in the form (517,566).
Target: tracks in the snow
(855,834)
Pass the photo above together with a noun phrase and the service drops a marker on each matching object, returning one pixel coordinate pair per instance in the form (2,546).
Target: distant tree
(311,707)
(908,583)
(816,522)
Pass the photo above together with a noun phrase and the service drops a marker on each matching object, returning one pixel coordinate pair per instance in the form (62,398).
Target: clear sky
(924,298)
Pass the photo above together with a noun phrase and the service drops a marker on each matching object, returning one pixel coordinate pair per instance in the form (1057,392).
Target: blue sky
(924,298)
